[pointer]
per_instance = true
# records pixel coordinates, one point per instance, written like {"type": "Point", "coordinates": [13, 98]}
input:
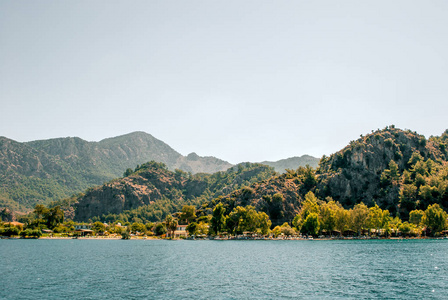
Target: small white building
{"type": "Point", "coordinates": [181, 230]}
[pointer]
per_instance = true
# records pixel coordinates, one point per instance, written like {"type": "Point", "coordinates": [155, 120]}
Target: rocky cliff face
{"type": "Point", "coordinates": [353, 174]}
{"type": "Point", "coordinates": [127, 193]}
{"type": "Point", "coordinates": [376, 168]}
{"type": "Point", "coordinates": [153, 184]}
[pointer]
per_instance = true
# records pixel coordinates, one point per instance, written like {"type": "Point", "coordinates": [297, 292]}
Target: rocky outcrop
{"type": "Point", "coordinates": [153, 183]}
{"type": "Point", "coordinates": [353, 174]}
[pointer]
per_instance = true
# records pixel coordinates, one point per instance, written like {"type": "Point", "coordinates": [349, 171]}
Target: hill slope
{"type": "Point", "coordinates": [377, 167]}
{"type": "Point", "coordinates": [47, 170]}
{"type": "Point", "coordinates": [396, 169]}
{"type": "Point", "coordinates": [152, 191]}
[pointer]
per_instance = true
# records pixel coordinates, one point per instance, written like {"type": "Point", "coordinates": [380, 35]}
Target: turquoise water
{"type": "Point", "coordinates": [158, 269]}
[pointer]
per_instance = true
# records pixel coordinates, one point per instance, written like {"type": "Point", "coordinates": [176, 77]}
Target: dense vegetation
{"type": "Point", "coordinates": [315, 218]}
{"type": "Point", "coordinates": [42, 171]}
{"type": "Point", "coordinates": [151, 191]}
{"type": "Point", "coordinates": [328, 217]}
{"type": "Point", "coordinates": [391, 175]}
{"type": "Point", "coordinates": [398, 170]}
{"type": "Point", "coordinates": [48, 170]}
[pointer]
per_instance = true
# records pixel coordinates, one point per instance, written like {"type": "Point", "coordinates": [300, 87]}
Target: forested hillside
{"type": "Point", "coordinates": [48, 170]}
{"type": "Point", "coordinates": [151, 191]}
{"type": "Point", "coordinates": [398, 170]}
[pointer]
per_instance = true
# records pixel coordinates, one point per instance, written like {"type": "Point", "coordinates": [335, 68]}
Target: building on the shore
{"type": "Point", "coordinates": [181, 231]}
{"type": "Point", "coordinates": [83, 229]}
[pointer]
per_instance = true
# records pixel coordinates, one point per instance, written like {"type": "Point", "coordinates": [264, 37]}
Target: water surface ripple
{"type": "Point", "coordinates": [159, 269]}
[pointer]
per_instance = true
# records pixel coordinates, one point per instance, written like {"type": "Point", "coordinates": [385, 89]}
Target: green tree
{"type": "Point", "coordinates": [137, 227]}
{"type": "Point", "coordinates": [264, 224]}
{"type": "Point", "coordinates": [434, 219]}
{"type": "Point", "coordinates": [99, 227]}
{"type": "Point", "coordinates": [171, 225]}
{"type": "Point", "coordinates": [188, 213]}
{"type": "Point", "coordinates": [391, 175]}
{"type": "Point", "coordinates": [378, 219]}
{"type": "Point", "coordinates": [309, 206]}
{"type": "Point", "coordinates": [415, 216]}
{"type": "Point", "coordinates": [160, 229]}
{"type": "Point", "coordinates": [342, 219]}
{"type": "Point", "coordinates": [125, 234]}
{"type": "Point", "coordinates": [358, 216]}
{"type": "Point", "coordinates": [235, 220]}
{"type": "Point", "coordinates": [40, 211]}
{"type": "Point", "coordinates": [405, 228]}
{"type": "Point", "coordinates": [327, 216]}
{"type": "Point", "coordinates": [128, 172]}
{"type": "Point", "coordinates": [408, 198]}
{"type": "Point", "coordinates": [218, 219]}
{"type": "Point", "coordinates": [311, 224]}
{"type": "Point", "coordinates": [192, 228]}
{"type": "Point", "coordinates": [249, 220]}
{"type": "Point", "coordinates": [9, 231]}
{"type": "Point", "coordinates": [276, 231]}
{"type": "Point", "coordinates": [54, 216]}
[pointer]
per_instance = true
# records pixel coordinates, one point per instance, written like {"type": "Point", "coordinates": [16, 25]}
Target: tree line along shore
{"type": "Point", "coordinates": [316, 218]}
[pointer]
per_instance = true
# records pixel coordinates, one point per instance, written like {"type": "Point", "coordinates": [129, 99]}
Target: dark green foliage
{"type": "Point", "coordinates": [399, 170]}
{"type": "Point", "coordinates": [192, 228]}
{"type": "Point", "coordinates": [435, 219]}
{"type": "Point", "coordinates": [31, 233]}
{"type": "Point", "coordinates": [311, 225]}
{"type": "Point", "coordinates": [50, 170]}
{"type": "Point", "coordinates": [160, 229]}
{"type": "Point", "coordinates": [218, 219]}
{"type": "Point", "coordinates": [175, 190]}
{"type": "Point", "coordinates": [9, 231]}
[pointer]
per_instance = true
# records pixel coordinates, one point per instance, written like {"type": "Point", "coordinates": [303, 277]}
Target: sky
{"type": "Point", "coordinates": [238, 80]}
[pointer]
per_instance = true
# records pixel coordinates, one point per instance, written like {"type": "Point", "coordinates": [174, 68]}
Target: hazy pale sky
{"type": "Point", "coordinates": [239, 80]}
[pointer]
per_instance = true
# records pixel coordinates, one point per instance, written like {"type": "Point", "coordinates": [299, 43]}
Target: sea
{"type": "Point", "coordinates": [231, 269]}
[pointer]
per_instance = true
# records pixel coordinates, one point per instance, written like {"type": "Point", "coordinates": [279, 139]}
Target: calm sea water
{"type": "Point", "coordinates": [158, 269]}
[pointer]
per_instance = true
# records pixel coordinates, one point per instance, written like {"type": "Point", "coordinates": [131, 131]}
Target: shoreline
{"type": "Point", "coordinates": [227, 239]}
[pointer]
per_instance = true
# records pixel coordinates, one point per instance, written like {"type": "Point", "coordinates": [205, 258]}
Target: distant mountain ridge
{"type": "Point", "coordinates": [47, 170]}
{"type": "Point", "coordinates": [113, 155]}
{"type": "Point", "coordinates": [293, 163]}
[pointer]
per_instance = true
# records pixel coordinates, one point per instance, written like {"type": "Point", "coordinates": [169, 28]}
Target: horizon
{"type": "Point", "coordinates": [251, 81]}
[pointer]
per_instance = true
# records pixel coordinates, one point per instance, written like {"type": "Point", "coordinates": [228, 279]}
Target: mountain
{"type": "Point", "coordinates": [110, 157]}
{"type": "Point", "coordinates": [152, 191]}
{"type": "Point", "coordinates": [293, 163]}
{"type": "Point", "coordinates": [27, 175]}
{"type": "Point", "coordinates": [389, 167]}
{"type": "Point", "coordinates": [47, 170]}
{"type": "Point", "coordinates": [398, 170]}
